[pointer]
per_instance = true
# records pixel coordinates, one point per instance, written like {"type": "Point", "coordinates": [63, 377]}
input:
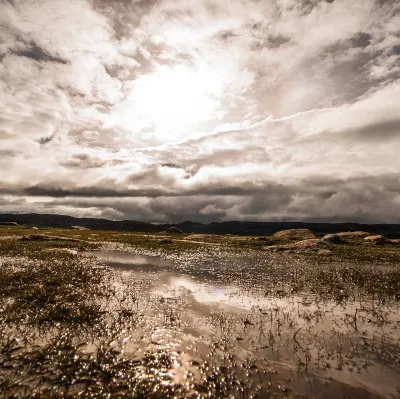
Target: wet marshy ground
{"type": "Point", "coordinates": [219, 315]}
{"type": "Point", "coordinates": [104, 317]}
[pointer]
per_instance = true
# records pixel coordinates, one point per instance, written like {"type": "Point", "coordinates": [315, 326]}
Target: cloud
{"type": "Point", "coordinates": [186, 109]}
{"type": "Point", "coordinates": [38, 54]}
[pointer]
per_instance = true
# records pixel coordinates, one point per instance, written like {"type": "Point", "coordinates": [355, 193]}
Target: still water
{"type": "Point", "coordinates": [234, 330]}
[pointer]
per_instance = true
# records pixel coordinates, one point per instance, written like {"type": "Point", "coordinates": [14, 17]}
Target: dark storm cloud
{"type": "Point", "coordinates": [361, 40]}
{"type": "Point", "coordinates": [36, 53]}
{"type": "Point", "coordinates": [47, 139]}
{"type": "Point", "coordinates": [364, 199]}
{"type": "Point", "coordinates": [91, 191]}
{"type": "Point", "coordinates": [110, 190]}
{"type": "Point", "coordinates": [308, 6]}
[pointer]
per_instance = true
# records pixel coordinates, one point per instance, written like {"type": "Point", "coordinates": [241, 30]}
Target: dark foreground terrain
{"type": "Point", "coordinates": [103, 314]}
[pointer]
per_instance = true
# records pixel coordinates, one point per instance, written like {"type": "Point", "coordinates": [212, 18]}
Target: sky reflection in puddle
{"type": "Point", "coordinates": [339, 343]}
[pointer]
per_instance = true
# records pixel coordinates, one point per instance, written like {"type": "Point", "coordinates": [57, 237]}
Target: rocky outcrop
{"type": "Point", "coordinates": [353, 234]}
{"type": "Point", "coordinates": [377, 240]}
{"type": "Point", "coordinates": [295, 234]}
{"type": "Point", "coordinates": [79, 228]}
{"type": "Point", "coordinates": [314, 244]}
{"type": "Point", "coordinates": [332, 239]}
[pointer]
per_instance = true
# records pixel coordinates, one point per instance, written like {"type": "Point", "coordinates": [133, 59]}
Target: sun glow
{"type": "Point", "coordinates": [169, 103]}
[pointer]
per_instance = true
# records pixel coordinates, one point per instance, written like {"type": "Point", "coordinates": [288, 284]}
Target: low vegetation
{"type": "Point", "coordinates": [71, 326]}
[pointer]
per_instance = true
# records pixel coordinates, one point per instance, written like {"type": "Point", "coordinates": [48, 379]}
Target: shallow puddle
{"type": "Point", "coordinates": [232, 331]}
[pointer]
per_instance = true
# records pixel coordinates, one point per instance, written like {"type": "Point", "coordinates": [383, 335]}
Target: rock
{"type": "Point", "coordinates": [353, 234]}
{"type": "Point", "coordinates": [62, 250]}
{"type": "Point", "coordinates": [279, 248]}
{"type": "Point", "coordinates": [332, 239]}
{"type": "Point", "coordinates": [378, 240]}
{"type": "Point", "coordinates": [295, 234]}
{"type": "Point", "coordinates": [165, 241]}
{"type": "Point", "coordinates": [79, 228]}
{"type": "Point", "coordinates": [9, 224]}
{"type": "Point", "coordinates": [195, 237]}
{"type": "Point", "coordinates": [174, 230]}
{"type": "Point", "coordinates": [314, 244]}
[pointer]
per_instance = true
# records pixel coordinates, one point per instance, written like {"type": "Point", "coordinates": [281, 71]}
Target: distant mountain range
{"type": "Point", "coordinates": [62, 221]}
{"type": "Point", "coordinates": [238, 228]}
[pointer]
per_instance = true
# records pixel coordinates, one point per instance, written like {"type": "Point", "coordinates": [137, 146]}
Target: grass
{"type": "Point", "coordinates": [66, 324]}
{"type": "Point", "coordinates": [57, 290]}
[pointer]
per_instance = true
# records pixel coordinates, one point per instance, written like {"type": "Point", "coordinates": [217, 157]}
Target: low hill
{"type": "Point", "coordinates": [237, 228]}
{"type": "Point", "coordinates": [269, 228]}
{"type": "Point", "coordinates": [63, 221]}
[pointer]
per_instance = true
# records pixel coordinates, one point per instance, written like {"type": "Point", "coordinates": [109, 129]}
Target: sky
{"type": "Point", "coordinates": [202, 110]}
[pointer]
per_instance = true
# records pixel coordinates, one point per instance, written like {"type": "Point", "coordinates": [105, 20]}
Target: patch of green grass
{"type": "Point", "coordinates": [37, 249]}
{"type": "Point", "coordinates": [341, 282]}
{"type": "Point", "coordinates": [368, 253]}
{"type": "Point", "coordinates": [41, 284]}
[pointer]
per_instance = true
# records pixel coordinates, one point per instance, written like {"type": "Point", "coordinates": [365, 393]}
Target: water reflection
{"type": "Point", "coordinates": [296, 343]}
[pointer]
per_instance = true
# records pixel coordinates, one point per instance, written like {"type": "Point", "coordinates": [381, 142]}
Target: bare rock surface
{"type": "Point", "coordinates": [332, 239]}
{"type": "Point", "coordinates": [313, 244]}
{"type": "Point", "coordinates": [79, 228]}
{"type": "Point", "coordinates": [62, 250]}
{"type": "Point", "coordinates": [295, 234]}
{"type": "Point", "coordinates": [353, 234]}
{"type": "Point", "coordinates": [378, 240]}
